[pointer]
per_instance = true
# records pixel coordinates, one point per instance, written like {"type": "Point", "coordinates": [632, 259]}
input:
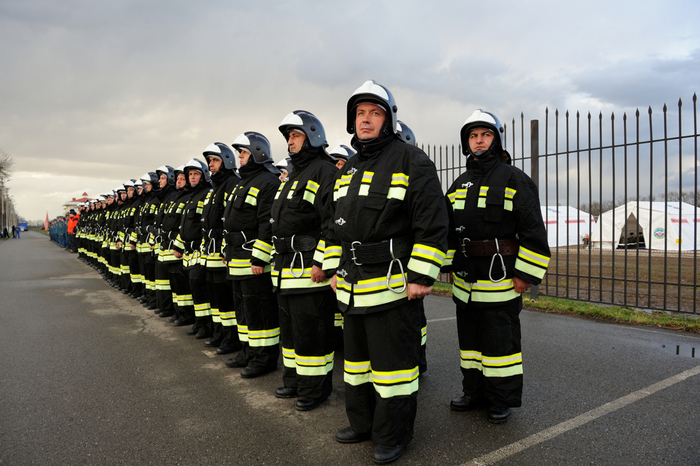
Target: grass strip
{"type": "Point", "coordinates": [617, 314]}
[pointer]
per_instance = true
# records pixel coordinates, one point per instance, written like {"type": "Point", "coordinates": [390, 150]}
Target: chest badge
{"type": "Point", "coordinates": [341, 221]}
{"type": "Point", "coordinates": [460, 229]}
{"type": "Point", "coordinates": [352, 171]}
{"type": "Point", "coordinates": [467, 185]}
{"type": "Point", "coordinates": [342, 273]}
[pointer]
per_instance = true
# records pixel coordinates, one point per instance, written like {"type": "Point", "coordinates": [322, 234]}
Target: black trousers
{"type": "Point", "coordinates": [258, 320]}
{"type": "Point", "coordinates": [220, 298]}
{"type": "Point", "coordinates": [382, 353]}
{"type": "Point", "coordinates": [197, 276]}
{"type": "Point", "coordinates": [164, 294]}
{"type": "Point", "coordinates": [490, 352]}
{"type": "Point", "coordinates": [306, 325]}
{"type": "Point", "coordinates": [184, 306]}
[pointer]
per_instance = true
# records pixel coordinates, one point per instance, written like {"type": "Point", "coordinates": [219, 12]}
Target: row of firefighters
{"type": "Point", "coordinates": [260, 259]}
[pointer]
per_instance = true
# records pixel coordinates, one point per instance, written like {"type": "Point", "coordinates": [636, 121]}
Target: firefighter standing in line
{"type": "Point", "coordinates": [182, 295]}
{"type": "Point", "coordinates": [306, 300]}
{"type": "Point", "coordinates": [188, 243]}
{"type": "Point", "coordinates": [390, 222]}
{"type": "Point", "coordinates": [165, 198]}
{"type": "Point", "coordinates": [248, 247]}
{"type": "Point", "coordinates": [498, 248]}
{"type": "Point", "coordinates": [222, 166]}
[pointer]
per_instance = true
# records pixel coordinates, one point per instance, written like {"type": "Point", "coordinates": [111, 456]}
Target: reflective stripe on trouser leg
{"type": "Point", "coordinates": [311, 321]}
{"type": "Point", "coordinates": [164, 296]}
{"type": "Point", "coordinates": [257, 307]}
{"type": "Point", "coordinates": [289, 372]}
{"type": "Point", "coordinates": [490, 352]}
{"type": "Point", "coordinates": [390, 341]}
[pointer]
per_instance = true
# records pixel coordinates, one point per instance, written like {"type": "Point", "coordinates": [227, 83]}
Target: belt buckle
{"type": "Point", "coordinates": [354, 255]}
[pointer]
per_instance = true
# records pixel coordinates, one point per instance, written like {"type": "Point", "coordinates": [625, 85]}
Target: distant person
{"type": "Point", "coordinates": [4, 232]}
{"type": "Point", "coordinates": [14, 231]}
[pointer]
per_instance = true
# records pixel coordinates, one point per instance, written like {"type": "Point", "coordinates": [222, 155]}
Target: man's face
{"type": "Point", "coordinates": [480, 139]}
{"type": "Point", "coordinates": [130, 192]}
{"type": "Point", "coordinates": [340, 163]}
{"type": "Point", "coordinates": [140, 190]}
{"type": "Point", "coordinates": [295, 141]}
{"type": "Point", "coordinates": [181, 181]}
{"type": "Point", "coordinates": [214, 164]}
{"type": "Point", "coordinates": [162, 180]}
{"type": "Point", "coordinates": [194, 177]}
{"type": "Point", "coordinates": [147, 187]}
{"type": "Point", "coordinates": [369, 119]}
{"type": "Point", "coordinates": [243, 157]}
{"type": "Point", "coordinates": [122, 196]}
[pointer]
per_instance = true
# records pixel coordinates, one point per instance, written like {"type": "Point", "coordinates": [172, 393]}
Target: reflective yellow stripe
{"type": "Point", "coordinates": [289, 281]}
{"type": "Point", "coordinates": [320, 251]}
{"type": "Point", "coordinates": [503, 366]}
{"type": "Point", "coordinates": [261, 338]}
{"type": "Point", "coordinates": [331, 258]}
{"type": "Point", "coordinates": [341, 187]}
{"type": "Point", "coordinates": [399, 184]}
{"type": "Point", "coordinates": [201, 310]}
{"type": "Point", "coordinates": [314, 365]}
{"type": "Point", "coordinates": [470, 359]}
{"type": "Point", "coordinates": [289, 357]}
{"type": "Point", "coordinates": [357, 373]}
{"type": "Point", "coordinates": [485, 291]}
{"type": "Point", "coordinates": [395, 383]}
{"type": "Point", "coordinates": [292, 189]}
{"type": "Point", "coordinates": [243, 333]}
{"type": "Point", "coordinates": [423, 335]}
{"type": "Point", "coordinates": [426, 260]}
{"type": "Point", "coordinates": [262, 250]}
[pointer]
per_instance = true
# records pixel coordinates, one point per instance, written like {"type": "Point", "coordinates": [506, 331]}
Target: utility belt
{"type": "Point", "coordinates": [493, 248]}
{"type": "Point", "coordinates": [297, 244]}
{"type": "Point", "coordinates": [487, 247]}
{"type": "Point", "coordinates": [294, 244]}
{"type": "Point", "coordinates": [239, 240]}
{"type": "Point", "coordinates": [382, 251]}
{"type": "Point", "coordinates": [390, 250]}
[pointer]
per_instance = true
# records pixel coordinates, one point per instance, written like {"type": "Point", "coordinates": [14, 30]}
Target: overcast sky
{"type": "Point", "coordinates": [93, 93]}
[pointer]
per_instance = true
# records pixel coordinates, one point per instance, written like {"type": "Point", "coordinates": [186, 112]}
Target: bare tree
{"type": "Point", "coordinates": [6, 162]}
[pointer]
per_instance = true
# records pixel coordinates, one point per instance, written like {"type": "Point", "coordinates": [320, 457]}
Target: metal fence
{"type": "Point", "coordinates": [637, 179]}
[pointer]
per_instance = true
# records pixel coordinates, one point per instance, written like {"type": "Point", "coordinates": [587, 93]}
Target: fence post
{"type": "Point", "coordinates": [535, 174]}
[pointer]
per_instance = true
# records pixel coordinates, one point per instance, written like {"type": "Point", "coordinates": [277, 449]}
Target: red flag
{"type": "Point", "coordinates": [46, 221]}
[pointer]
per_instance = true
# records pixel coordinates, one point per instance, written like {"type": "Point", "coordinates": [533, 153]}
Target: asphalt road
{"type": "Point", "coordinates": [88, 376]}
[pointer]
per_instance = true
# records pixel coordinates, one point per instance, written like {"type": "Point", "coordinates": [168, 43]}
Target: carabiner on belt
{"type": "Point", "coordinates": [503, 264]}
{"type": "Point", "coordinates": [296, 253]}
{"type": "Point", "coordinates": [391, 267]}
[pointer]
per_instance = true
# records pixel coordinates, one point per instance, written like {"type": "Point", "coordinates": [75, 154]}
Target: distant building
{"type": "Point", "coordinates": [73, 204]}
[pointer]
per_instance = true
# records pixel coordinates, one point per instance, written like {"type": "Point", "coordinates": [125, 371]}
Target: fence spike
{"type": "Point", "coordinates": [695, 97]}
{"type": "Point", "coordinates": [680, 103]}
{"type": "Point", "coordinates": [637, 113]}
{"type": "Point", "coordinates": [649, 109]}
{"type": "Point", "coordinates": [665, 108]}
{"type": "Point", "coordinates": [577, 115]}
{"type": "Point", "coordinates": [546, 110]}
{"type": "Point", "coordinates": [589, 115]}
{"type": "Point", "coordinates": [556, 112]}
{"type": "Point", "coordinates": [612, 116]}
{"type": "Point", "coordinates": [624, 116]}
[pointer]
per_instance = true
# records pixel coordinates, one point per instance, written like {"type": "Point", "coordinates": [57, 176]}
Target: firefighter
{"type": "Point", "coordinates": [162, 254]}
{"type": "Point", "coordinates": [497, 249]}
{"type": "Point", "coordinates": [172, 219]}
{"type": "Point", "coordinates": [187, 245]}
{"type": "Point", "coordinates": [306, 301]}
{"type": "Point", "coordinates": [341, 154]}
{"type": "Point", "coordinates": [248, 247]}
{"type": "Point", "coordinates": [388, 232]}
{"type": "Point", "coordinates": [222, 166]}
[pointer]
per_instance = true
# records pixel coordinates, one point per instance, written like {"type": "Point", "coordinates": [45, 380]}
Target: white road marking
{"type": "Point", "coordinates": [555, 431]}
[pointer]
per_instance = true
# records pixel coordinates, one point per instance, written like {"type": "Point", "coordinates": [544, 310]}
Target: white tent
{"type": "Point", "coordinates": [662, 225]}
{"type": "Point", "coordinates": [566, 225]}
